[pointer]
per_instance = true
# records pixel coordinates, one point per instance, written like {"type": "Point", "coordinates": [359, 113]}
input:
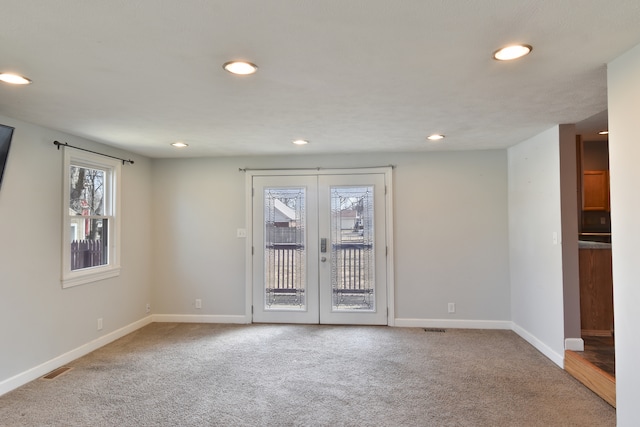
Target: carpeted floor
{"type": "Point", "coordinates": [284, 375]}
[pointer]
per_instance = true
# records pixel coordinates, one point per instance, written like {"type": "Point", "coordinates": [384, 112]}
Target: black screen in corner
{"type": "Point", "coordinates": [6, 133]}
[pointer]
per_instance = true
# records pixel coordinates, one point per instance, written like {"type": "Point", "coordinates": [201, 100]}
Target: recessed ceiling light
{"type": "Point", "coordinates": [435, 137]}
{"type": "Point", "coordinates": [301, 142]}
{"type": "Point", "coordinates": [240, 67]}
{"type": "Point", "coordinates": [14, 79]}
{"type": "Point", "coordinates": [512, 52]}
{"type": "Point", "coordinates": [180, 144]}
{"type": "Point", "coordinates": [604, 132]}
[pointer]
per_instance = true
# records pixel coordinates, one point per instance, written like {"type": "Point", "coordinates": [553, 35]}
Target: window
{"type": "Point", "coordinates": [91, 229]}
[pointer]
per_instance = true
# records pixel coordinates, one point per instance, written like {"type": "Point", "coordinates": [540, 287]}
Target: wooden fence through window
{"type": "Point", "coordinates": [86, 253]}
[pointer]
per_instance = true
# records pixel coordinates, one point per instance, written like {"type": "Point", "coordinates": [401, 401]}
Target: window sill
{"type": "Point", "coordinates": [84, 277]}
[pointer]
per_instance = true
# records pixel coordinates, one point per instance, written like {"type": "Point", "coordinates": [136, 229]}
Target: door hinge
{"type": "Point", "coordinates": [385, 190]}
{"type": "Point", "coordinates": [251, 250]}
{"type": "Point", "coordinates": [253, 191]}
{"type": "Point", "coordinates": [386, 251]}
{"type": "Point", "coordinates": [252, 309]}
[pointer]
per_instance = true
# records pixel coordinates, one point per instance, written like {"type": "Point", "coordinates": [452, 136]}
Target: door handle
{"type": "Point", "coordinates": [323, 259]}
{"type": "Point", "coordinates": [323, 245]}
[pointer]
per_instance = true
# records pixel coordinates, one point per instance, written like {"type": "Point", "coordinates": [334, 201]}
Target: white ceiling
{"type": "Point", "coordinates": [348, 75]}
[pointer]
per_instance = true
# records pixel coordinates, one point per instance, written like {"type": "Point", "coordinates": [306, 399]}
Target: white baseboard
{"type": "Point", "coordinates": [199, 318]}
{"type": "Point", "coordinates": [453, 323]}
{"type": "Point", "coordinates": [556, 358]}
{"type": "Point", "coordinates": [48, 366]}
{"type": "Point", "coordinates": [574, 344]}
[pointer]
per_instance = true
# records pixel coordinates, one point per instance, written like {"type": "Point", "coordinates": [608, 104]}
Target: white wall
{"type": "Point", "coordinates": [451, 241]}
{"type": "Point", "coordinates": [570, 252]}
{"type": "Point", "coordinates": [39, 321]}
{"type": "Point", "coordinates": [624, 152]}
{"type": "Point", "coordinates": [198, 205]}
{"type": "Point", "coordinates": [535, 261]}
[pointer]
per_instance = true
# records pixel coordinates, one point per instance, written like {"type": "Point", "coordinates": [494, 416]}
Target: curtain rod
{"type": "Point", "coordinates": [313, 169]}
{"type": "Point", "coordinates": [64, 144]}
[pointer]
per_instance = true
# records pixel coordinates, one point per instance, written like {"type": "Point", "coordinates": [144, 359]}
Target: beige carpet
{"type": "Point", "coordinates": [283, 375]}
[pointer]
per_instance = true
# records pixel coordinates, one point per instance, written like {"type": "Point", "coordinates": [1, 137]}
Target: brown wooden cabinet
{"type": "Point", "coordinates": [595, 190]}
{"type": "Point", "coordinates": [596, 292]}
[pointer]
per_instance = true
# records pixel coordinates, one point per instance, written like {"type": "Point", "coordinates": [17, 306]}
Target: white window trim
{"type": "Point", "coordinates": [87, 275]}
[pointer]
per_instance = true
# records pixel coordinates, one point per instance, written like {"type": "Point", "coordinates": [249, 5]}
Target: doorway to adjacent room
{"type": "Point", "coordinates": [320, 247]}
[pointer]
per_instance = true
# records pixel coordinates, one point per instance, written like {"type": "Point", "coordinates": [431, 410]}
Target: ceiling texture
{"type": "Point", "coordinates": [350, 76]}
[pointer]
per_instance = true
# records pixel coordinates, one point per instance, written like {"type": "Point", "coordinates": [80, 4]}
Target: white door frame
{"type": "Point", "coordinates": [388, 176]}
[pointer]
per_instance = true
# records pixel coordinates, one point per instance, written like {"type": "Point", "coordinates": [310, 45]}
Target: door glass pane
{"type": "Point", "coordinates": [352, 251]}
{"type": "Point", "coordinates": [284, 255]}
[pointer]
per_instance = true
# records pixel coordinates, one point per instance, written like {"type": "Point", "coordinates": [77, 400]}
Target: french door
{"type": "Point", "coordinates": [319, 249]}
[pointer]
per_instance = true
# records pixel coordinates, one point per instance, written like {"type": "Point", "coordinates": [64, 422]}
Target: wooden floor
{"type": "Point", "coordinates": [601, 352]}
{"type": "Point", "coordinates": [595, 366]}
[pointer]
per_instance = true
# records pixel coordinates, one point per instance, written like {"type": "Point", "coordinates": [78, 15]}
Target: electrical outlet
{"type": "Point", "coordinates": [241, 233]}
{"type": "Point", "coordinates": [452, 307]}
{"type": "Point", "coordinates": [148, 307]}
{"type": "Point", "coordinates": [99, 323]}
{"type": "Point", "coordinates": [198, 303]}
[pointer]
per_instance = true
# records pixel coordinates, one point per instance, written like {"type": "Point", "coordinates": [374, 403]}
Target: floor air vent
{"type": "Point", "coordinates": [434, 330]}
{"type": "Point", "coordinates": [56, 373]}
